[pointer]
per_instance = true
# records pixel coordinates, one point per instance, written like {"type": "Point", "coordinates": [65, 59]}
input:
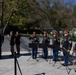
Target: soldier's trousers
{"type": "Point", "coordinates": [34, 53]}
{"type": "Point", "coordinates": [45, 53]}
{"type": "Point", "coordinates": [66, 55]}
{"type": "Point", "coordinates": [55, 54]}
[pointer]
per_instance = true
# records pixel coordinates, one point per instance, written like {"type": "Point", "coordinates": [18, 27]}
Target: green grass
{"type": "Point", "coordinates": [40, 36]}
{"type": "Point", "coordinates": [25, 35]}
{"type": "Point", "coordinates": [28, 35]}
{"type": "Point", "coordinates": [74, 38]}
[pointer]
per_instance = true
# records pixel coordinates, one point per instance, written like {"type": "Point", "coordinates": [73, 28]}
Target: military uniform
{"type": "Point", "coordinates": [66, 45]}
{"type": "Point", "coordinates": [1, 42]}
{"type": "Point", "coordinates": [56, 45]}
{"type": "Point", "coordinates": [35, 40]}
{"type": "Point", "coordinates": [45, 41]}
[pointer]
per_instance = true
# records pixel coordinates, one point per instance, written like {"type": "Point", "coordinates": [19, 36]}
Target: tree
{"type": "Point", "coordinates": [55, 14]}
{"type": "Point", "coordinates": [40, 14]}
{"type": "Point", "coordinates": [18, 17]}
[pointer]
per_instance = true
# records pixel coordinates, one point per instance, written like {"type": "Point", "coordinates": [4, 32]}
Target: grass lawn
{"type": "Point", "coordinates": [40, 36]}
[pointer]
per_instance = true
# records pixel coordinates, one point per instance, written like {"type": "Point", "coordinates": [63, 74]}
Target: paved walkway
{"type": "Point", "coordinates": [30, 66]}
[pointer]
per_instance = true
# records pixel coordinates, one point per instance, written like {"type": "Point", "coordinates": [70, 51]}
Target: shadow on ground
{"type": "Point", "coordinates": [11, 57]}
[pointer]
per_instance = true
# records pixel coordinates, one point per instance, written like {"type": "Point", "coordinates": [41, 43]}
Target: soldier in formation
{"type": "Point", "coordinates": [35, 40]}
{"type": "Point", "coordinates": [56, 45]}
{"type": "Point", "coordinates": [66, 46]}
{"type": "Point", "coordinates": [45, 41]}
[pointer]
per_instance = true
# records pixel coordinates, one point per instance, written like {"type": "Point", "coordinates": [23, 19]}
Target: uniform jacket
{"type": "Point", "coordinates": [46, 39]}
{"type": "Point", "coordinates": [66, 45]}
{"type": "Point", "coordinates": [34, 39]}
{"type": "Point", "coordinates": [56, 42]}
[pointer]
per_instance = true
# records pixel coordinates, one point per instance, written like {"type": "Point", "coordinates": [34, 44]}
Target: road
{"type": "Point", "coordinates": [23, 46]}
{"type": "Point", "coordinates": [31, 66]}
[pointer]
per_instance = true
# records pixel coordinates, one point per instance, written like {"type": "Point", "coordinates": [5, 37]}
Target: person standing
{"type": "Point", "coordinates": [12, 42]}
{"type": "Point", "coordinates": [56, 45]}
{"type": "Point", "coordinates": [45, 41]}
{"type": "Point", "coordinates": [35, 40]}
{"type": "Point", "coordinates": [66, 46]}
{"type": "Point", "coordinates": [17, 42]}
{"type": "Point", "coordinates": [1, 42]}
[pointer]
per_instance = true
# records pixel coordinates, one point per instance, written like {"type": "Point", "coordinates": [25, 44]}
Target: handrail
{"type": "Point", "coordinates": [16, 64]}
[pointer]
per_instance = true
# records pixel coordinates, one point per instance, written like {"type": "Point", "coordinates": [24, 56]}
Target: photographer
{"type": "Point", "coordinates": [12, 42]}
{"type": "Point", "coordinates": [17, 41]}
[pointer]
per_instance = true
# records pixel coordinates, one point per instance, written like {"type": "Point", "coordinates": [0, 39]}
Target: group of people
{"type": "Point", "coordinates": [14, 40]}
{"type": "Point", "coordinates": [35, 40]}
{"type": "Point", "coordinates": [65, 45]}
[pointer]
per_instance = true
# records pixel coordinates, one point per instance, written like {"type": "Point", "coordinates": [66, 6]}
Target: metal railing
{"type": "Point", "coordinates": [16, 64]}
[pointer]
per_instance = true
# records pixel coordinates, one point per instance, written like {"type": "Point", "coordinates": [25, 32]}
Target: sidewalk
{"type": "Point", "coordinates": [31, 67]}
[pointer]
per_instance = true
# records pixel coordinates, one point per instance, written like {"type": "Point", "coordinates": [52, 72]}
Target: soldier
{"type": "Point", "coordinates": [66, 46]}
{"type": "Point", "coordinates": [12, 42]}
{"type": "Point", "coordinates": [17, 41]}
{"type": "Point", "coordinates": [56, 45]}
{"type": "Point", "coordinates": [45, 41]}
{"type": "Point", "coordinates": [1, 42]}
{"type": "Point", "coordinates": [35, 40]}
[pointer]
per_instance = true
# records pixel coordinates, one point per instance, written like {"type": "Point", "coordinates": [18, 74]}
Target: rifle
{"type": "Point", "coordinates": [64, 50]}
